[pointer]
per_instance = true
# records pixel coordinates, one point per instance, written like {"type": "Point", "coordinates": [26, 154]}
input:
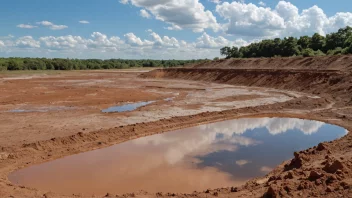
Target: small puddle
{"type": "Point", "coordinates": [126, 107]}
{"type": "Point", "coordinates": [214, 155]}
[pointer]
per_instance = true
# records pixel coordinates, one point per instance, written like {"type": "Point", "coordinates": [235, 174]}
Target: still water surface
{"type": "Point", "coordinates": [209, 156]}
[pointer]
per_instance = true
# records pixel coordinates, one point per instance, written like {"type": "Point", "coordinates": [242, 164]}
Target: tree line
{"type": "Point", "coordinates": [16, 63]}
{"type": "Point", "coordinates": [335, 43]}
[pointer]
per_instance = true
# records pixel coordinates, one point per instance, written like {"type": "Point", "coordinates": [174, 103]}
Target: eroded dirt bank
{"type": "Point", "coordinates": [323, 171]}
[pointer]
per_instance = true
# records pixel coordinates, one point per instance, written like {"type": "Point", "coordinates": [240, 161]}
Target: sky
{"type": "Point", "coordinates": [157, 29]}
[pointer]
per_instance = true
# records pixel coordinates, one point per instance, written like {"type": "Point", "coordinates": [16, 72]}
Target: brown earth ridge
{"type": "Point", "coordinates": [322, 171]}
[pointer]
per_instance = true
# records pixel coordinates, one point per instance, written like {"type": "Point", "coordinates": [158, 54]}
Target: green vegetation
{"type": "Point", "coordinates": [78, 64]}
{"type": "Point", "coordinates": [339, 42]}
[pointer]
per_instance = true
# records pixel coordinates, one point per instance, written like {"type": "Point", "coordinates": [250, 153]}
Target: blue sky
{"type": "Point", "coordinates": [167, 29]}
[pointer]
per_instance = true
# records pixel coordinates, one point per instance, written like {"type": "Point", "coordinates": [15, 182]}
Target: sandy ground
{"type": "Point", "coordinates": [39, 107]}
{"type": "Point", "coordinates": [63, 117]}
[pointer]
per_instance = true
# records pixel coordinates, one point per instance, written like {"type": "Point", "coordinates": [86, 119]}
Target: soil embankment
{"type": "Point", "coordinates": [339, 63]}
{"type": "Point", "coordinates": [322, 171]}
{"type": "Point", "coordinates": [335, 84]}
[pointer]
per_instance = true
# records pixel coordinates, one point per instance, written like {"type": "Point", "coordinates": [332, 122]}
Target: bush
{"type": "Point", "coordinates": [319, 53]}
{"type": "Point", "coordinates": [307, 52]}
{"type": "Point", "coordinates": [336, 51]}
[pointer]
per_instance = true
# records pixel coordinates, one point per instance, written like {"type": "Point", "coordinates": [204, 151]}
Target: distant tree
{"type": "Point", "coordinates": [290, 47]}
{"type": "Point", "coordinates": [226, 51]}
{"type": "Point", "coordinates": [317, 42]}
{"type": "Point", "coordinates": [304, 42]}
{"type": "Point", "coordinates": [338, 39]}
{"type": "Point", "coordinates": [229, 52]}
{"type": "Point", "coordinates": [13, 65]}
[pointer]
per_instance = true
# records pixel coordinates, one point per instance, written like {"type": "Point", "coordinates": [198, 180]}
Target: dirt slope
{"type": "Point", "coordinates": [322, 171]}
{"type": "Point", "coordinates": [336, 85]}
{"type": "Point", "coordinates": [340, 62]}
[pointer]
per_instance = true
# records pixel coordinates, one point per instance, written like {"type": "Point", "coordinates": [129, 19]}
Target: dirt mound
{"type": "Point", "coordinates": [340, 62]}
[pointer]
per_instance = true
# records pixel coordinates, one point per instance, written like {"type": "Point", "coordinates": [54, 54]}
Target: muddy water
{"type": "Point", "coordinates": [209, 156]}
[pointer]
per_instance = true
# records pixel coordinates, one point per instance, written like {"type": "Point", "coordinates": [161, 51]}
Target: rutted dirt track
{"type": "Point", "coordinates": [323, 171]}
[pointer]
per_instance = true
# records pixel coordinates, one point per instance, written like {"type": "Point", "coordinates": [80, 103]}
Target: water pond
{"type": "Point", "coordinates": [214, 155]}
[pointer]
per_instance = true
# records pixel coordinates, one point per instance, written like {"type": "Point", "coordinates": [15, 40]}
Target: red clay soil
{"type": "Point", "coordinates": [339, 62]}
{"type": "Point", "coordinates": [322, 171]}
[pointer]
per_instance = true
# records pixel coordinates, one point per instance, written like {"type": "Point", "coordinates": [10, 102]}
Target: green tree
{"type": "Point", "coordinates": [290, 47]}
{"type": "Point", "coordinates": [304, 42]}
{"type": "Point", "coordinates": [317, 42]}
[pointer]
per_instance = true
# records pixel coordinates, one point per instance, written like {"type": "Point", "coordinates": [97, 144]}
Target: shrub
{"type": "Point", "coordinates": [307, 52]}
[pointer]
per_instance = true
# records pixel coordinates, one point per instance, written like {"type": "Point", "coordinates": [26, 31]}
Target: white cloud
{"type": "Point", "coordinates": [215, 1]}
{"type": "Point", "coordinates": [84, 22]}
{"type": "Point", "coordinates": [144, 13]}
{"type": "Point", "coordinates": [51, 25]}
{"type": "Point", "coordinates": [10, 36]}
{"type": "Point", "coordinates": [133, 40]}
{"type": "Point", "coordinates": [2, 44]}
{"type": "Point", "coordinates": [27, 42]}
{"type": "Point", "coordinates": [62, 42]}
{"type": "Point", "coordinates": [98, 41]}
{"type": "Point", "coordinates": [26, 26]}
{"type": "Point", "coordinates": [249, 20]}
{"type": "Point", "coordinates": [154, 46]}
{"type": "Point", "coordinates": [124, 1]}
{"type": "Point", "coordinates": [206, 41]}
{"type": "Point", "coordinates": [261, 3]}
{"type": "Point", "coordinates": [164, 41]}
{"type": "Point", "coordinates": [180, 14]}
{"type": "Point", "coordinates": [242, 162]}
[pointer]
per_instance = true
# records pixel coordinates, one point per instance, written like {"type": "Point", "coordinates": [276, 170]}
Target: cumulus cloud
{"type": "Point", "coordinates": [69, 42]}
{"type": "Point", "coordinates": [180, 14]}
{"type": "Point", "coordinates": [84, 22]}
{"type": "Point", "coordinates": [249, 19]}
{"type": "Point", "coordinates": [51, 25]}
{"type": "Point", "coordinates": [133, 40]}
{"type": "Point", "coordinates": [2, 44]}
{"type": "Point", "coordinates": [144, 13]}
{"type": "Point", "coordinates": [261, 3]}
{"type": "Point", "coordinates": [27, 42]}
{"type": "Point", "coordinates": [154, 46]}
{"type": "Point", "coordinates": [206, 41]}
{"type": "Point", "coordinates": [62, 42]}
{"type": "Point", "coordinates": [26, 26]}
{"type": "Point", "coordinates": [164, 41]}
{"type": "Point", "coordinates": [284, 20]}
{"type": "Point", "coordinates": [215, 1]}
